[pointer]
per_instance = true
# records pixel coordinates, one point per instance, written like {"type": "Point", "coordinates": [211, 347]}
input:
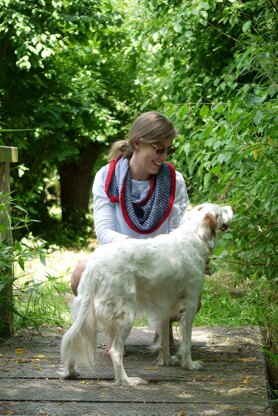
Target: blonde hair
{"type": "Point", "coordinates": [150, 127]}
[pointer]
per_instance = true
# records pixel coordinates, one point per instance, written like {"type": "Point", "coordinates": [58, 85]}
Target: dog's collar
{"type": "Point", "coordinates": [145, 216]}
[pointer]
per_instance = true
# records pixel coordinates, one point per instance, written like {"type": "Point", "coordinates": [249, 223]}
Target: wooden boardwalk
{"type": "Point", "coordinates": [232, 381]}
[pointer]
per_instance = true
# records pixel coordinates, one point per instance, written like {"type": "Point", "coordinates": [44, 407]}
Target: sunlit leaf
{"type": "Point", "coordinates": [20, 351]}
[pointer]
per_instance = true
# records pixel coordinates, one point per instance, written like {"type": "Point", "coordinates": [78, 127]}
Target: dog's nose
{"type": "Point", "coordinates": [224, 227]}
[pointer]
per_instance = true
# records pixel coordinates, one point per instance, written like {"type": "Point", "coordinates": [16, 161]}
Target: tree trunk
{"type": "Point", "coordinates": [76, 181]}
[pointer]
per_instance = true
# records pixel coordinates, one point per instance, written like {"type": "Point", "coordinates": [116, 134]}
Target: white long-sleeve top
{"type": "Point", "coordinates": [110, 225]}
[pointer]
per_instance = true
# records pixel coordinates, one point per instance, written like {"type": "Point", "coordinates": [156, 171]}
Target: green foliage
{"type": "Point", "coordinates": [67, 72]}
{"type": "Point", "coordinates": [228, 300]}
{"type": "Point", "coordinates": [13, 218]}
{"type": "Point", "coordinates": [36, 301]}
{"type": "Point", "coordinates": [41, 303]}
{"type": "Point", "coordinates": [213, 67]}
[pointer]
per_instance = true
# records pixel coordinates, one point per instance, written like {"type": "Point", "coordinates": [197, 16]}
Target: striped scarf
{"type": "Point", "coordinates": [146, 215]}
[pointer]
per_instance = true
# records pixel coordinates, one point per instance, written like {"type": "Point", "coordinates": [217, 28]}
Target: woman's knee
{"type": "Point", "coordinates": [76, 275]}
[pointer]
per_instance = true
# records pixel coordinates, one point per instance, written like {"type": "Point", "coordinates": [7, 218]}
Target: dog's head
{"type": "Point", "coordinates": [210, 218]}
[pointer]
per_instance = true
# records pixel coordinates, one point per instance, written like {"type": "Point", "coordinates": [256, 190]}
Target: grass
{"type": "Point", "coordinates": [42, 293]}
{"type": "Point", "coordinates": [227, 300]}
{"type": "Point", "coordinates": [39, 304]}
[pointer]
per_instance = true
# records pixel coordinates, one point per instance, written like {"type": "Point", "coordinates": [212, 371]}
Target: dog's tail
{"type": "Point", "coordinates": [80, 341]}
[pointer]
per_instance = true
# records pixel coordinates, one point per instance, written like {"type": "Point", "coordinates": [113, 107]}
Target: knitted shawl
{"type": "Point", "coordinates": [146, 215]}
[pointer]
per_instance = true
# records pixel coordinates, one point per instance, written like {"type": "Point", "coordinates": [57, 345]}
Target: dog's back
{"type": "Point", "coordinates": [158, 273]}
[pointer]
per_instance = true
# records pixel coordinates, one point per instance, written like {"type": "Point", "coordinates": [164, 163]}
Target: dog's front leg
{"type": "Point", "coordinates": [164, 358]}
{"type": "Point", "coordinates": [186, 323]}
{"type": "Point", "coordinates": [116, 354]}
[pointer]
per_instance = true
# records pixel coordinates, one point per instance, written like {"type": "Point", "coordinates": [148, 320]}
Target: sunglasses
{"type": "Point", "coordinates": [161, 150]}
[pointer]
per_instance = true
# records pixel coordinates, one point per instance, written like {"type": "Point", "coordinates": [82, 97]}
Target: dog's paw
{"type": "Point", "coordinates": [169, 361]}
{"type": "Point", "coordinates": [130, 382]}
{"type": "Point", "coordinates": [68, 375]}
{"type": "Point", "coordinates": [192, 365]}
{"type": "Point", "coordinates": [164, 361]}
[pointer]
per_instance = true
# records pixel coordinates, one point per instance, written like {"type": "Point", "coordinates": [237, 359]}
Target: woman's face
{"type": "Point", "coordinates": [145, 161]}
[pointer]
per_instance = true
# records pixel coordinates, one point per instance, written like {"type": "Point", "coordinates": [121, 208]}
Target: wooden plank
{"type": "Point", "coordinates": [153, 392]}
{"type": "Point", "coordinates": [231, 382]}
{"type": "Point", "coordinates": [132, 409]}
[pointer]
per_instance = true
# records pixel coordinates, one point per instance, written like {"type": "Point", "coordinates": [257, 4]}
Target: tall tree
{"type": "Point", "coordinates": [67, 71]}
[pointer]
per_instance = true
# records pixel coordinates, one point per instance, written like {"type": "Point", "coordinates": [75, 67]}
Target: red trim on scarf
{"type": "Point", "coordinates": [171, 202]}
{"type": "Point", "coordinates": [111, 170]}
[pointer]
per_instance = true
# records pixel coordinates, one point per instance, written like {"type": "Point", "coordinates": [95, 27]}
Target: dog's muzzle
{"type": "Point", "coordinates": [224, 227]}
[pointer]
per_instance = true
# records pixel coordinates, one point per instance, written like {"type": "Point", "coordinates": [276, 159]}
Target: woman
{"type": "Point", "coordinates": [138, 194]}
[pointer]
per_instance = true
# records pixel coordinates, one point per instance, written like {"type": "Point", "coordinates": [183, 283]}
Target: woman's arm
{"type": "Point", "coordinates": [104, 212]}
{"type": "Point", "coordinates": [180, 204]}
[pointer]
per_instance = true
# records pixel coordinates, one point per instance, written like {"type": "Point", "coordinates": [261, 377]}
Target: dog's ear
{"type": "Point", "coordinates": [211, 221]}
{"type": "Point", "coordinates": [208, 228]}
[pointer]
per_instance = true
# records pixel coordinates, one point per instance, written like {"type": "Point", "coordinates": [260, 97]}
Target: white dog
{"type": "Point", "coordinates": [162, 276]}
